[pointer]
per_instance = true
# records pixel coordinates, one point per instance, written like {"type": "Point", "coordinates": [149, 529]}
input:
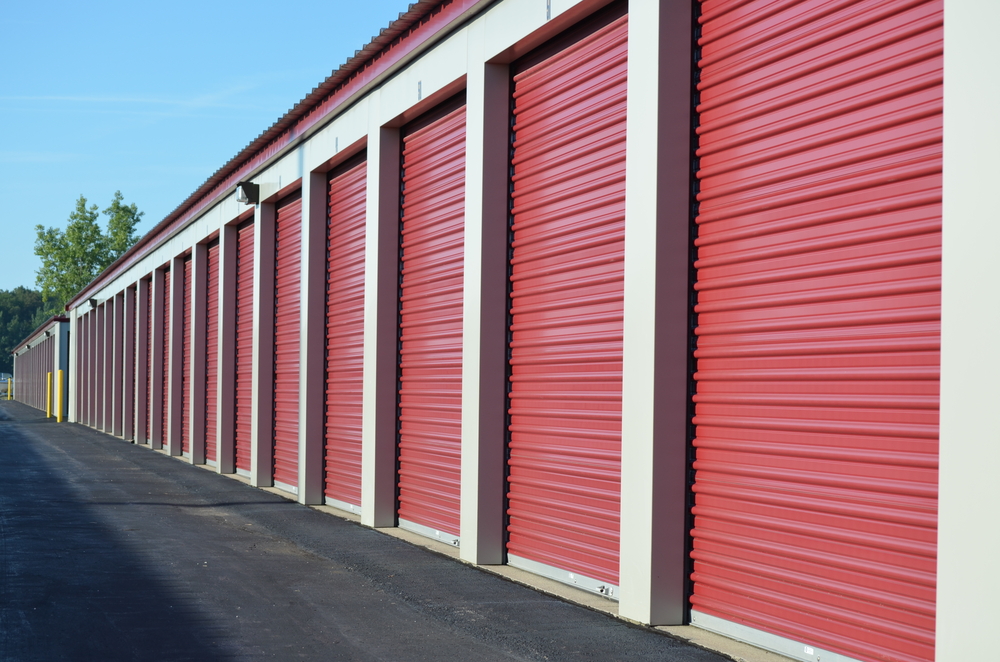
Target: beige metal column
{"type": "Point", "coordinates": [142, 372]}
{"type": "Point", "coordinates": [199, 307]}
{"type": "Point", "coordinates": [73, 366]}
{"type": "Point", "coordinates": [118, 369]}
{"type": "Point", "coordinates": [128, 364]}
{"type": "Point", "coordinates": [484, 333]}
{"type": "Point", "coordinates": [156, 434]}
{"type": "Point", "coordinates": [312, 362]}
{"type": "Point", "coordinates": [657, 263]}
{"type": "Point", "coordinates": [378, 451]}
{"type": "Point", "coordinates": [226, 393]}
{"type": "Point", "coordinates": [969, 507]}
{"type": "Point", "coordinates": [175, 381]}
{"type": "Point", "coordinates": [261, 430]}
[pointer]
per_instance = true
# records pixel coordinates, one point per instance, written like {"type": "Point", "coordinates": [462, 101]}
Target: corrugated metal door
{"type": "Point", "coordinates": [135, 357]}
{"type": "Point", "coordinates": [49, 356]}
{"type": "Point", "coordinates": [566, 307]}
{"type": "Point", "coordinates": [98, 368]}
{"type": "Point", "coordinates": [78, 368]}
{"type": "Point", "coordinates": [287, 326]}
{"type": "Point", "coordinates": [165, 384]}
{"type": "Point", "coordinates": [212, 354]}
{"type": "Point", "coordinates": [345, 325]}
{"type": "Point", "coordinates": [186, 361]}
{"type": "Point", "coordinates": [430, 355]}
{"type": "Point", "coordinates": [244, 342]}
{"type": "Point", "coordinates": [46, 357]}
{"type": "Point", "coordinates": [149, 358]}
{"type": "Point", "coordinates": [819, 323]}
{"type": "Point", "coordinates": [107, 367]}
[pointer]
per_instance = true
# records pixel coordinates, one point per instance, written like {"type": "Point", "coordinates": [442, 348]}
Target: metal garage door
{"type": "Point", "coordinates": [819, 323]}
{"type": "Point", "coordinates": [186, 361]}
{"type": "Point", "coordinates": [287, 331]}
{"type": "Point", "coordinates": [134, 322]}
{"type": "Point", "coordinates": [82, 370]}
{"type": "Point", "coordinates": [566, 309]}
{"type": "Point", "coordinates": [99, 325]}
{"type": "Point", "coordinates": [79, 367]}
{"type": "Point", "coordinates": [212, 354]}
{"type": "Point", "coordinates": [165, 383]}
{"type": "Point", "coordinates": [149, 359]}
{"type": "Point", "coordinates": [107, 368]}
{"type": "Point", "coordinates": [345, 326]}
{"type": "Point", "coordinates": [430, 355]}
{"type": "Point", "coordinates": [244, 343]}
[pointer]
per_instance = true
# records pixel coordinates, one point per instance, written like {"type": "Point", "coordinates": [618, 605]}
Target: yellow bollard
{"type": "Point", "coordinates": [48, 395]}
{"type": "Point", "coordinates": [59, 397]}
{"type": "Point", "coordinates": [10, 389]}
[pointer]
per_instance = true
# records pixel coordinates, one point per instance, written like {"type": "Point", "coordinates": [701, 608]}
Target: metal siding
{"type": "Point", "coordinates": [345, 325]}
{"type": "Point", "coordinates": [165, 390]}
{"type": "Point", "coordinates": [244, 342]}
{"type": "Point", "coordinates": [430, 354]}
{"type": "Point", "coordinates": [186, 361]}
{"type": "Point", "coordinates": [287, 331]}
{"type": "Point", "coordinates": [567, 269]}
{"type": "Point", "coordinates": [212, 354]}
{"type": "Point", "coordinates": [819, 322]}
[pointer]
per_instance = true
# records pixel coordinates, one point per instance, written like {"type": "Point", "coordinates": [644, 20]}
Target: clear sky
{"type": "Point", "coordinates": [148, 98]}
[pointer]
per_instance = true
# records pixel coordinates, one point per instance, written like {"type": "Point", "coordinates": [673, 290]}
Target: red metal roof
{"type": "Point", "coordinates": [34, 334]}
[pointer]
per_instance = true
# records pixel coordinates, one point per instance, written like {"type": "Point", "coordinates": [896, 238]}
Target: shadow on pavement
{"type": "Point", "coordinates": [70, 589]}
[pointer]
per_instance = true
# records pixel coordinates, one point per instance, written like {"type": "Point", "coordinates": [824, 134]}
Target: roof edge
{"type": "Point", "coordinates": [415, 14]}
{"type": "Point", "coordinates": [31, 336]}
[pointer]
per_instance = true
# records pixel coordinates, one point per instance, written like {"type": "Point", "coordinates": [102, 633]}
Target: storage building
{"type": "Point", "coordinates": [643, 297]}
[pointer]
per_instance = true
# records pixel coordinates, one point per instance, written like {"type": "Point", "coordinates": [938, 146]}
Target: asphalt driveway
{"type": "Point", "coordinates": [110, 551]}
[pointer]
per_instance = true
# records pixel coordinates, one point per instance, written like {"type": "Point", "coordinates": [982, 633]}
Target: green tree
{"type": "Point", "coordinates": [18, 310]}
{"type": "Point", "coordinates": [73, 257]}
{"type": "Point", "coordinates": [122, 221]}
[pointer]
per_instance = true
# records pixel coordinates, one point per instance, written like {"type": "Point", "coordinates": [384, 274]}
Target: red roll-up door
{"type": "Point", "coordinates": [212, 354]}
{"type": "Point", "coordinates": [99, 324]}
{"type": "Point", "coordinates": [287, 325]}
{"type": "Point", "coordinates": [186, 361]}
{"type": "Point", "coordinates": [135, 356]}
{"type": "Point", "coordinates": [567, 271]}
{"type": "Point", "coordinates": [345, 325]}
{"type": "Point", "coordinates": [109, 364]}
{"type": "Point", "coordinates": [78, 368]}
{"type": "Point", "coordinates": [149, 358]}
{"type": "Point", "coordinates": [165, 384]}
{"type": "Point", "coordinates": [244, 342]}
{"type": "Point", "coordinates": [819, 323]}
{"type": "Point", "coordinates": [46, 391]}
{"type": "Point", "coordinates": [430, 355]}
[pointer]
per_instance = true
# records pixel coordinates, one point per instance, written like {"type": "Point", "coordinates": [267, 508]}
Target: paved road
{"type": "Point", "coordinates": [110, 551]}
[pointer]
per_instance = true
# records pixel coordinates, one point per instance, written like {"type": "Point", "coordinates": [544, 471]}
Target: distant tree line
{"type": "Point", "coordinates": [19, 309]}
{"type": "Point", "coordinates": [71, 259]}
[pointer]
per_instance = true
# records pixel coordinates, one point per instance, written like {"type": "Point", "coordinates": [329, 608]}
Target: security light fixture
{"type": "Point", "coordinates": [248, 193]}
{"type": "Point", "coordinates": [93, 303]}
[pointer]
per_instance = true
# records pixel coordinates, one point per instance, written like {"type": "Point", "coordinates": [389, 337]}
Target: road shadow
{"type": "Point", "coordinates": [70, 588]}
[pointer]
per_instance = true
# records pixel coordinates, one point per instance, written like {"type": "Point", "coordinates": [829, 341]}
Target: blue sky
{"type": "Point", "coordinates": [148, 98]}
